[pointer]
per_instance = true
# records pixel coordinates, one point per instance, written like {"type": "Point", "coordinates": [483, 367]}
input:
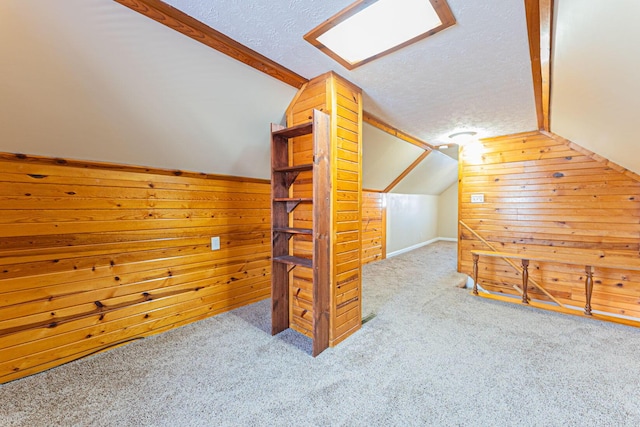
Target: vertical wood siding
{"type": "Point", "coordinates": [542, 196]}
{"type": "Point", "coordinates": [347, 289]}
{"type": "Point", "coordinates": [343, 102]}
{"type": "Point", "coordinates": [92, 256]}
{"type": "Point", "coordinates": [373, 227]}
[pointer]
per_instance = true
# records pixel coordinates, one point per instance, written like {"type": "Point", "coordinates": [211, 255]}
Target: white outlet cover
{"type": "Point", "coordinates": [215, 243]}
{"type": "Point", "coordinates": [477, 198]}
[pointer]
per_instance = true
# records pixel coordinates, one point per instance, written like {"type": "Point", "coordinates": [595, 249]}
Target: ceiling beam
{"type": "Point", "coordinates": [540, 29]}
{"type": "Point", "coordinates": [191, 27]}
{"type": "Point", "coordinates": [406, 172]}
{"type": "Point", "coordinates": [385, 127]}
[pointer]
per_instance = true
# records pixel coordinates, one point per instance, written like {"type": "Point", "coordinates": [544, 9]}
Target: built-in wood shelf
{"type": "Point", "coordinates": [293, 199]}
{"type": "Point", "coordinates": [293, 131]}
{"type": "Point", "coordinates": [294, 260]}
{"type": "Point", "coordinates": [292, 202]}
{"type": "Point", "coordinates": [290, 230]}
{"type": "Point", "coordinates": [297, 168]}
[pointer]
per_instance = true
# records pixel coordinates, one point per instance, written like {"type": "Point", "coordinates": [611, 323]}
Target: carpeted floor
{"type": "Point", "coordinates": [432, 355]}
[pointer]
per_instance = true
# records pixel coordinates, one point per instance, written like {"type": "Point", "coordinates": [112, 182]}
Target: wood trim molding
{"type": "Point", "coordinates": [539, 25]}
{"type": "Point", "coordinates": [43, 160]}
{"type": "Point", "coordinates": [191, 27]}
{"type": "Point", "coordinates": [385, 127]}
{"type": "Point", "coordinates": [593, 156]}
{"type": "Point", "coordinates": [406, 172]}
{"type": "Point", "coordinates": [546, 40]}
{"type": "Point", "coordinates": [440, 6]}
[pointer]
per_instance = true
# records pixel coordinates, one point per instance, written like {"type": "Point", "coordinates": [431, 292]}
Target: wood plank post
{"type": "Point", "coordinates": [525, 280]}
{"type": "Point", "coordinates": [476, 257]}
{"type": "Point", "coordinates": [588, 289]}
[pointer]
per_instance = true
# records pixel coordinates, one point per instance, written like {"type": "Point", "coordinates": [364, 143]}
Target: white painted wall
{"type": "Point", "coordinates": [384, 157]}
{"type": "Point", "coordinates": [94, 80]}
{"type": "Point", "coordinates": [448, 213]}
{"type": "Point", "coordinates": [432, 176]}
{"type": "Point", "coordinates": [412, 220]}
{"type": "Point", "coordinates": [595, 95]}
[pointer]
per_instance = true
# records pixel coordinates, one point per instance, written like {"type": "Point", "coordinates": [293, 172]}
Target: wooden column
{"type": "Point", "coordinates": [325, 299]}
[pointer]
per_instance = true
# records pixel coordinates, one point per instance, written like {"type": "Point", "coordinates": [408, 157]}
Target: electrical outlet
{"type": "Point", "coordinates": [477, 198]}
{"type": "Point", "coordinates": [215, 243]}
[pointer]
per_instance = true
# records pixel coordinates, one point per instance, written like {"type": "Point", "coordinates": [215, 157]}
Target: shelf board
{"type": "Point", "coordinates": [294, 260]}
{"type": "Point", "coordinates": [292, 132]}
{"type": "Point", "coordinates": [297, 168]}
{"type": "Point", "coordinates": [293, 230]}
{"type": "Point", "coordinates": [293, 199]}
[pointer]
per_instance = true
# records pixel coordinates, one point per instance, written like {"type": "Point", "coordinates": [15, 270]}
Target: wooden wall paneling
{"type": "Point", "coordinates": [347, 289]}
{"type": "Point", "coordinates": [373, 226]}
{"type": "Point", "coordinates": [544, 196]}
{"type": "Point", "coordinates": [342, 101]}
{"type": "Point", "coordinates": [93, 255]}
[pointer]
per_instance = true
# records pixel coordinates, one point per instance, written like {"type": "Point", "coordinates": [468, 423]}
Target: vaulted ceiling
{"type": "Point", "coordinates": [91, 79]}
{"type": "Point", "coordinates": [473, 75]}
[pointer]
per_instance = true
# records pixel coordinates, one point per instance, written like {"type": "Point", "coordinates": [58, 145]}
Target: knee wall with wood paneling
{"type": "Point", "coordinates": [93, 256]}
{"type": "Point", "coordinates": [543, 195]}
{"type": "Point", "coordinates": [373, 227]}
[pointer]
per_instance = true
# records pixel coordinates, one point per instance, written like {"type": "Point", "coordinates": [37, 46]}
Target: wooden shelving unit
{"type": "Point", "coordinates": [309, 315]}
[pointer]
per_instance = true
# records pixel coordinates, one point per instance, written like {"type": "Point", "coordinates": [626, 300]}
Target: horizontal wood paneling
{"type": "Point", "coordinates": [542, 196]}
{"type": "Point", "coordinates": [373, 227]}
{"type": "Point", "coordinates": [95, 255]}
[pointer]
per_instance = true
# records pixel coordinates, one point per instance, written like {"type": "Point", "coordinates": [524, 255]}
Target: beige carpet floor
{"type": "Point", "coordinates": [433, 355]}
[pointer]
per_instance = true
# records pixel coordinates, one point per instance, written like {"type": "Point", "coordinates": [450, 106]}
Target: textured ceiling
{"type": "Point", "coordinates": [475, 75]}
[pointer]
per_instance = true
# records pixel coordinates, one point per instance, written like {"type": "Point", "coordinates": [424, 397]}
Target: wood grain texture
{"type": "Point", "coordinates": [539, 25]}
{"type": "Point", "coordinates": [93, 255]}
{"type": "Point", "coordinates": [190, 27]}
{"type": "Point", "coordinates": [407, 171]}
{"type": "Point", "coordinates": [391, 130]}
{"type": "Point", "coordinates": [373, 227]}
{"type": "Point", "coordinates": [440, 6]}
{"type": "Point", "coordinates": [343, 102]}
{"type": "Point", "coordinates": [548, 198]}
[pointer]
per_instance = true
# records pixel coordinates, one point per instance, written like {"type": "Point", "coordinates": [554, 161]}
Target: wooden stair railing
{"type": "Point", "coordinates": [588, 262]}
{"type": "Point", "coordinates": [512, 264]}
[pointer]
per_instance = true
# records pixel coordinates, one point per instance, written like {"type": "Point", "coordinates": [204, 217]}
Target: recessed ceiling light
{"type": "Point", "coordinates": [369, 29]}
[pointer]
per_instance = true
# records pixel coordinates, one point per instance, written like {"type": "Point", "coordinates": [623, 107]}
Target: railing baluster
{"type": "Point", "coordinates": [475, 273]}
{"type": "Point", "coordinates": [588, 289]}
{"type": "Point", "coordinates": [525, 280]}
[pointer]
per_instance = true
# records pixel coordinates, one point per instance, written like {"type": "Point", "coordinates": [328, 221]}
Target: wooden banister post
{"type": "Point", "coordinates": [476, 257]}
{"type": "Point", "coordinates": [588, 289]}
{"type": "Point", "coordinates": [525, 280]}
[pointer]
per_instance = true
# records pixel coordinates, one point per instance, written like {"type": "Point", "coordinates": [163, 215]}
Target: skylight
{"type": "Point", "coordinates": [369, 29]}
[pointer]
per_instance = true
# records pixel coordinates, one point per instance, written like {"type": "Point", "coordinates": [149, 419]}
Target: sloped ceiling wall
{"type": "Point", "coordinates": [384, 157]}
{"type": "Point", "coordinates": [93, 80]}
{"type": "Point", "coordinates": [432, 176]}
{"type": "Point", "coordinates": [596, 89]}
